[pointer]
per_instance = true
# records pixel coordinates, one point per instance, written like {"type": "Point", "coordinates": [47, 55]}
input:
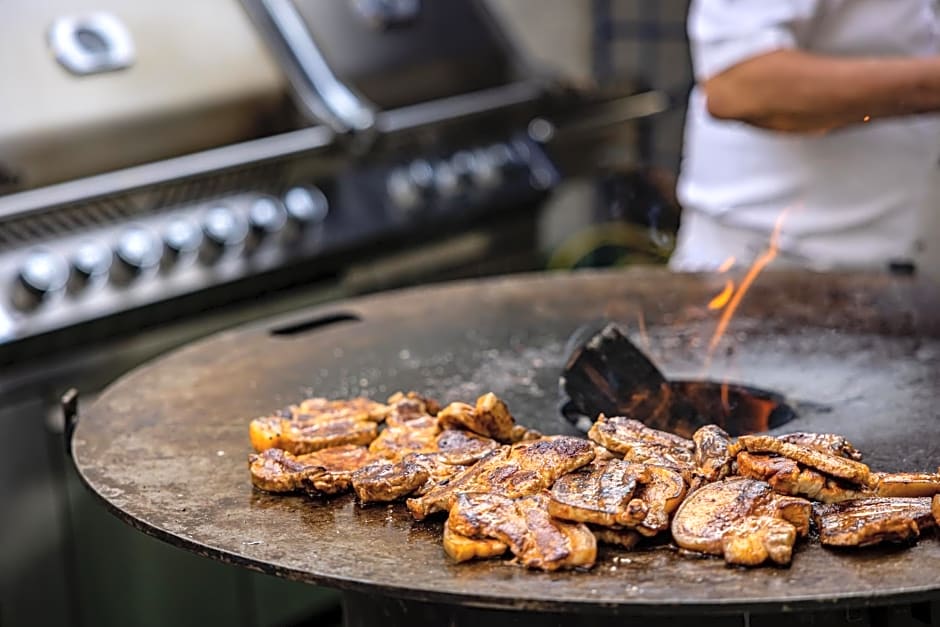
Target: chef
{"type": "Point", "coordinates": [819, 117]}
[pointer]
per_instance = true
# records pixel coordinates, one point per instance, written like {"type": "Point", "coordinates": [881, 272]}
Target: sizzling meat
{"type": "Point", "coordinates": [383, 480]}
{"type": "Point", "coordinates": [624, 538]}
{"type": "Point", "coordinates": [321, 408]}
{"type": "Point", "coordinates": [518, 470]}
{"type": "Point", "coordinates": [867, 521]}
{"type": "Point", "coordinates": [935, 508]}
{"type": "Point", "coordinates": [621, 434]}
{"type": "Point", "coordinates": [405, 408]}
{"type": "Point", "coordinates": [828, 463]}
{"type": "Point", "coordinates": [490, 418]}
{"type": "Point", "coordinates": [461, 548]}
{"type": "Point", "coordinates": [416, 436]}
{"type": "Point", "coordinates": [743, 520]}
{"type": "Point", "coordinates": [462, 447]}
{"type": "Point", "coordinates": [276, 470]}
{"type": "Point", "coordinates": [600, 493]}
{"type": "Point", "coordinates": [788, 477]}
{"type": "Point", "coordinates": [661, 492]}
{"type": "Point", "coordinates": [712, 453]}
{"type": "Point", "coordinates": [310, 434]}
{"type": "Point", "coordinates": [828, 442]}
{"type": "Point", "coordinates": [525, 526]}
{"type": "Point", "coordinates": [906, 483]}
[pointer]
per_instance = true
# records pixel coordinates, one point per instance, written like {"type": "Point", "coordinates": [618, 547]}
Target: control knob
{"type": "Point", "coordinates": [138, 250]}
{"type": "Point", "coordinates": [408, 187]}
{"type": "Point", "coordinates": [306, 206]}
{"type": "Point", "coordinates": [90, 264]}
{"type": "Point", "coordinates": [42, 274]}
{"type": "Point", "coordinates": [266, 216]}
{"type": "Point", "coordinates": [223, 230]}
{"type": "Point", "coordinates": [181, 238]}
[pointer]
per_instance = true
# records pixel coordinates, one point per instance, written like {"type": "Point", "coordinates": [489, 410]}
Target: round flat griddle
{"type": "Point", "coordinates": [166, 446]}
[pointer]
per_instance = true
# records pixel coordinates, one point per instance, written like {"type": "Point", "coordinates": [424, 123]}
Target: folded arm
{"type": "Point", "coordinates": [794, 91]}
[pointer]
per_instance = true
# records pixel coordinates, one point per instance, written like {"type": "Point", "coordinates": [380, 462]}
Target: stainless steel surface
{"type": "Point", "coordinates": [324, 97]}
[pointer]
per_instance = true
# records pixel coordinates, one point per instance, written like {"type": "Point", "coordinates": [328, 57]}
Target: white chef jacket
{"type": "Point", "coordinates": [855, 197]}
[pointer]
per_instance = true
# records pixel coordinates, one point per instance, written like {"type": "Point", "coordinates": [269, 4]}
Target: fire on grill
{"type": "Point", "coordinates": [549, 500]}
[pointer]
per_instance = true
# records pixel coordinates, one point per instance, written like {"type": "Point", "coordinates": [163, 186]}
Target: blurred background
{"type": "Point", "coordinates": [171, 169]}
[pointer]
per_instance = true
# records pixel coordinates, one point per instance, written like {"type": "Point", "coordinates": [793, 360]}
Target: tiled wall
{"type": "Point", "coordinates": [645, 40]}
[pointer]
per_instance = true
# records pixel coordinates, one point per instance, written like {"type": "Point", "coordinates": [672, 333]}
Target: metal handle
{"type": "Point", "coordinates": [69, 404]}
{"type": "Point", "coordinates": [600, 116]}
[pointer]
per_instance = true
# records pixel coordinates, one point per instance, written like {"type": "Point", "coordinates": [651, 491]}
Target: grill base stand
{"type": "Point", "coordinates": [365, 610]}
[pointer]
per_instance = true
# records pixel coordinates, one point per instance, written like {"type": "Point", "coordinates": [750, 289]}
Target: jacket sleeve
{"type": "Point", "coordinates": [724, 33]}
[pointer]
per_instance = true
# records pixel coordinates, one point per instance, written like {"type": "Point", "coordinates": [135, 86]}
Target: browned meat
{"type": "Point", "coordinates": [335, 467]}
{"type": "Point", "coordinates": [872, 520]}
{"type": "Point", "coordinates": [658, 455]}
{"type": "Point", "coordinates": [383, 480]}
{"type": "Point", "coordinates": [624, 538]}
{"type": "Point", "coordinates": [490, 418]}
{"type": "Point", "coordinates": [828, 442]}
{"type": "Point", "coordinates": [935, 508]}
{"type": "Point", "coordinates": [525, 526]}
{"type": "Point", "coordinates": [462, 447]}
{"type": "Point", "coordinates": [602, 454]}
{"type": "Point", "coordinates": [308, 435]}
{"type": "Point", "coordinates": [906, 483]}
{"type": "Point", "coordinates": [661, 492]}
{"type": "Point", "coordinates": [321, 408]}
{"type": "Point", "coordinates": [599, 493]}
{"type": "Point", "coordinates": [788, 477]}
{"type": "Point", "coordinates": [740, 519]}
{"type": "Point", "coordinates": [461, 548]}
{"type": "Point", "coordinates": [520, 433]}
{"type": "Point", "coordinates": [276, 470]}
{"type": "Point", "coordinates": [406, 408]}
{"type": "Point", "coordinates": [513, 471]}
{"type": "Point", "coordinates": [712, 452]}
{"type": "Point", "coordinates": [396, 442]}
{"type": "Point", "coordinates": [620, 434]}
{"type": "Point", "coordinates": [828, 463]}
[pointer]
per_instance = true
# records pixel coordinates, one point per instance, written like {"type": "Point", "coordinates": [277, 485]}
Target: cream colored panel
{"type": "Point", "coordinates": [202, 77]}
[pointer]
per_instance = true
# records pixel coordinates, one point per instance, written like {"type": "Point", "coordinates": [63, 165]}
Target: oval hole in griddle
{"type": "Point", "coordinates": [313, 324]}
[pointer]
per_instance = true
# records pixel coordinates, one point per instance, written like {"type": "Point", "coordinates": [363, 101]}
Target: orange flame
{"type": "Point", "coordinates": [723, 297]}
{"type": "Point", "coordinates": [644, 337]}
{"type": "Point", "coordinates": [726, 265]}
{"type": "Point", "coordinates": [725, 403]}
{"type": "Point", "coordinates": [756, 268]}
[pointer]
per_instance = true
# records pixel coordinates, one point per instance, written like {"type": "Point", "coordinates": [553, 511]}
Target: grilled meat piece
{"type": "Point", "coordinates": [906, 483]}
{"type": "Point", "coordinates": [461, 548]}
{"type": "Point", "coordinates": [520, 433]}
{"type": "Point", "coordinates": [405, 409]}
{"type": "Point", "coordinates": [712, 454]}
{"type": "Point", "coordinates": [321, 408]}
{"type": "Point", "coordinates": [462, 447]}
{"type": "Point", "coordinates": [828, 463]}
{"type": "Point", "coordinates": [305, 436]}
{"type": "Point", "coordinates": [935, 508]}
{"type": "Point", "coordinates": [383, 481]}
{"type": "Point", "coordinates": [489, 417]}
{"type": "Point", "coordinates": [624, 538]}
{"type": "Point", "coordinates": [525, 526]}
{"type": "Point", "coordinates": [868, 521]}
{"type": "Point", "coordinates": [828, 442]}
{"type": "Point", "coordinates": [599, 493]}
{"type": "Point", "coordinates": [661, 491]}
{"type": "Point", "coordinates": [788, 477]}
{"type": "Point", "coordinates": [741, 510]}
{"type": "Point", "coordinates": [620, 434]}
{"type": "Point", "coordinates": [416, 436]}
{"type": "Point", "coordinates": [512, 471]}
{"type": "Point", "coordinates": [276, 470]}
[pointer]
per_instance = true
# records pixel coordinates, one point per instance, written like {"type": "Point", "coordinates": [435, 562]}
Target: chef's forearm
{"type": "Point", "coordinates": [790, 90]}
